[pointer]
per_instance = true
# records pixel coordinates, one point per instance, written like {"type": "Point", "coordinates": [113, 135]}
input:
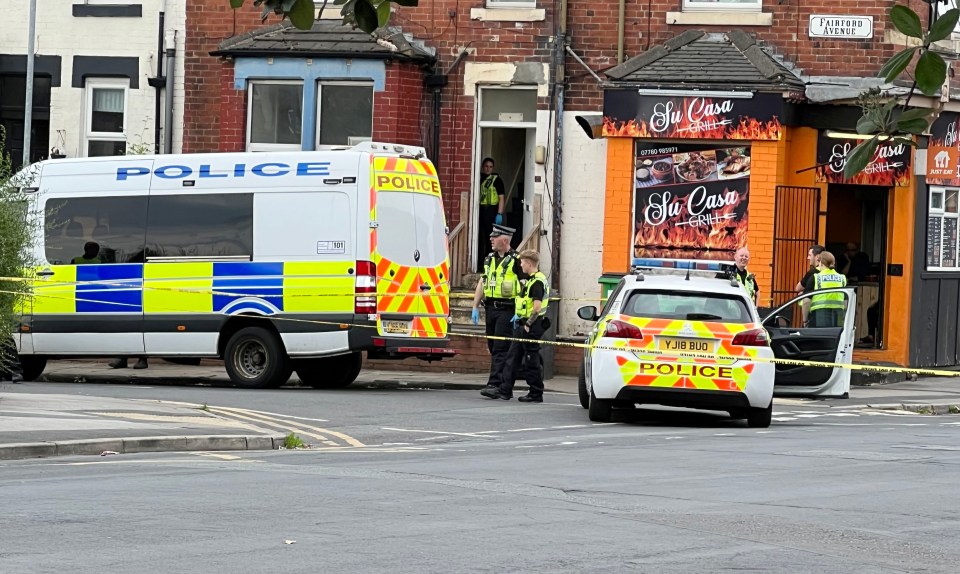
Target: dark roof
{"type": "Point", "coordinates": [327, 38]}
{"type": "Point", "coordinates": [697, 58]}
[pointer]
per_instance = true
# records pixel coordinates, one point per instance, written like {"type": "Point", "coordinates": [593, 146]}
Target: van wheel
{"type": "Point", "coordinates": [600, 410]}
{"type": "Point", "coordinates": [760, 418]}
{"type": "Point", "coordinates": [330, 372]}
{"type": "Point", "coordinates": [32, 366]}
{"type": "Point", "coordinates": [255, 359]}
{"type": "Point", "coordinates": [582, 387]}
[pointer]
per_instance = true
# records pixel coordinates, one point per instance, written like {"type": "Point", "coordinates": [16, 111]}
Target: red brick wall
{"type": "Point", "coordinates": [397, 110]}
{"type": "Point", "coordinates": [209, 22]}
{"type": "Point", "coordinates": [593, 27]}
{"type": "Point", "coordinates": [233, 112]}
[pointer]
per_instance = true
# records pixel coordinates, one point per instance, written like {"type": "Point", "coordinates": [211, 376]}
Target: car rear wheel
{"type": "Point", "coordinates": [255, 359]}
{"type": "Point", "coordinates": [600, 410]}
{"type": "Point", "coordinates": [582, 387]}
{"type": "Point", "coordinates": [760, 418]}
{"type": "Point", "coordinates": [330, 372]}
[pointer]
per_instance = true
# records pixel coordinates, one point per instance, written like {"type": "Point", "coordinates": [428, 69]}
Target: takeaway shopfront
{"type": "Point", "coordinates": [697, 175]}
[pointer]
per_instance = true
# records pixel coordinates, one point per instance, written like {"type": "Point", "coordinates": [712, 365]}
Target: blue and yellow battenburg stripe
{"type": "Point", "coordinates": [204, 287]}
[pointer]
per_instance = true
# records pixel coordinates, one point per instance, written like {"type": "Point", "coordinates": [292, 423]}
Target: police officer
{"type": "Point", "coordinates": [492, 202]}
{"type": "Point", "coordinates": [746, 279]}
{"type": "Point", "coordinates": [827, 309]}
{"type": "Point", "coordinates": [529, 324]}
{"type": "Point", "coordinates": [497, 288]}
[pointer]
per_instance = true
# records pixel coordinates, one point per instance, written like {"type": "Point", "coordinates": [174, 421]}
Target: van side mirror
{"type": "Point", "coordinates": [588, 313]}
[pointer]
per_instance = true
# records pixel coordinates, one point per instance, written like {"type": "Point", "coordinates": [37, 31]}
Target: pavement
{"type": "Point", "coordinates": [34, 424]}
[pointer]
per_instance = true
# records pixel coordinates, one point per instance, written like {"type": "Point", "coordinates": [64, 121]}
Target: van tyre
{"type": "Point", "coordinates": [599, 410]}
{"type": "Point", "coordinates": [330, 372]}
{"type": "Point", "coordinates": [582, 387]}
{"type": "Point", "coordinates": [255, 359]}
{"type": "Point", "coordinates": [32, 366]}
{"type": "Point", "coordinates": [760, 418]}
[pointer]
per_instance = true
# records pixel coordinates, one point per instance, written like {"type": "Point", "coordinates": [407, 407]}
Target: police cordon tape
{"type": "Point", "coordinates": [622, 348]}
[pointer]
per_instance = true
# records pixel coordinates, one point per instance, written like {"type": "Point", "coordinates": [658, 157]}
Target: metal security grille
{"type": "Point", "coordinates": [795, 229]}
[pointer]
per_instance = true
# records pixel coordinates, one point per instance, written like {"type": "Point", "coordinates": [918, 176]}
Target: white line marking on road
{"type": "Point", "coordinates": [436, 432]}
{"type": "Point", "coordinates": [724, 434]}
{"type": "Point", "coordinates": [525, 430]}
{"type": "Point", "coordinates": [570, 427]}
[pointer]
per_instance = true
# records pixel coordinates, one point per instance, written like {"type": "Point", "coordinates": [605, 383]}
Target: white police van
{"type": "Point", "coordinates": [273, 262]}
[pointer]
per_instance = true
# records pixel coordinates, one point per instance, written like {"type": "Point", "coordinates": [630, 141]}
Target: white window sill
{"type": "Point", "coordinates": [721, 18]}
{"type": "Point", "coordinates": [508, 14]}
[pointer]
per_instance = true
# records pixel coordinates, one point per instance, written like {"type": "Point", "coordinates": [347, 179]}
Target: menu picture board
{"type": "Point", "coordinates": [690, 201]}
{"type": "Point", "coordinates": [949, 236]}
{"type": "Point", "coordinates": [933, 241]}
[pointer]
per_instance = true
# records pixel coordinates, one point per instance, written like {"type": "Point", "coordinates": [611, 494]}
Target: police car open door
{"type": "Point", "coordinates": [816, 327]}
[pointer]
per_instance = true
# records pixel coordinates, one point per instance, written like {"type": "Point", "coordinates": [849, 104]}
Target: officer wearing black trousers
{"type": "Point", "coordinates": [497, 289]}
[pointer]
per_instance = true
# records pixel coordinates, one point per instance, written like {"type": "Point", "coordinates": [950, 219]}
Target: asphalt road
{"type": "Point", "coordinates": [448, 482]}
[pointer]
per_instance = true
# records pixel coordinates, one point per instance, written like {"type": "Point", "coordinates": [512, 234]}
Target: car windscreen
{"type": "Point", "coordinates": [714, 307]}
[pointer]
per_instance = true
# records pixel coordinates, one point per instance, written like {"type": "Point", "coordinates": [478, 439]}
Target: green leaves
{"type": "Point", "coordinates": [301, 14]}
{"type": "Point", "coordinates": [944, 26]}
{"type": "Point", "coordinates": [931, 72]}
{"type": "Point", "coordinates": [914, 121]}
{"type": "Point", "coordinates": [906, 21]}
{"type": "Point", "coordinates": [897, 64]}
{"type": "Point", "coordinates": [368, 15]}
{"type": "Point", "coordinates": [365, 16]}
{"type": "Point", "coordinates": [383, 14]}
{"type": "Point", "coordinates": [236, 4]}
{"type": "Point", "coordinates": [860, 157]}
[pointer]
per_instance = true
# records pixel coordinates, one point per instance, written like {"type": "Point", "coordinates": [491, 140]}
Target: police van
{"type": "Point", "coordinates": [273, 262]}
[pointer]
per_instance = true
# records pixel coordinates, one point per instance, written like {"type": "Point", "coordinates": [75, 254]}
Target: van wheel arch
{"type": "Point", "coordinates": [234, 324]}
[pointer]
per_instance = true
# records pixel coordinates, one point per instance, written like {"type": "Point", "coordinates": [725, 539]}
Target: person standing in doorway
{"type": "Point", "coordinates": [746, 279]}
{"type": "Point", "coordinates": [827, 309]}
{"type": "Point", "coordinates": [801, 287]}
{"type": "Point", "coordinates": [497, 288]}
{"type": "Point", "coordinates": [492, 204]}
{"type": "Point", "coordinates": [529, 324]}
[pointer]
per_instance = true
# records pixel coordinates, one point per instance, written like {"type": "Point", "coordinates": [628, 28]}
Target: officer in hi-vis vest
{"type": "Point", "coordinates": [827, 309]}
{"type": "Point", "coordinates": [746, 279]}
{"type": "Point", "coordinates": [497, 288]}
{"type": "Point", "coordinates": [492, 204]}
{"type": "Point", "coordinates": [529, 324]}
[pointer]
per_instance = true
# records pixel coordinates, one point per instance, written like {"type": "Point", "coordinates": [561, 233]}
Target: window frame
{"type": "Point", "coordinates": [352, 83]}
{"type": "Point", "coordinates": [719, 6]}
{"type": "Point", "coordinates": [943, 215]}
{"type": "Point", "coordinates": [260, 147]}
{"type": "Point", "coordinates": [109, 84]}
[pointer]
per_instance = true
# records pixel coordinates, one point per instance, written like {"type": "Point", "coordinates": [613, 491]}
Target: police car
{"type": "Point", "coordinates": [692, 338]}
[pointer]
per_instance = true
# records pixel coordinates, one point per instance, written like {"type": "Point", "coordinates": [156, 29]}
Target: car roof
{"type": "Point", "coordinates": [679, 282]}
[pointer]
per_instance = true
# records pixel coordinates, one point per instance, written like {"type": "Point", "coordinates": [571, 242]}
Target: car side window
{"type": "Point", "coordinates": [611, 299]}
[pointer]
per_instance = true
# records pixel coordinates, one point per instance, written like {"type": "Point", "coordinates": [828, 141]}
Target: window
{"type": "Point", "coordinates": [106, 115]}
{"type": "Point", "coordinates": [942, 221]}
{"type": "Point", "coordinates": [722, 5]}
{"type": "Point", "coordinates": [115, 224]}
{"type": "Point", "coordinates": [275, 116]}
{"type": "Point", "coordinates": [431, 241]}
{"type": "Point", "coordinates": [344, 113]}
{"type": "Point", "coordinates": [397, 233]}
{"type": "Point", "coordinates": [687, 306]}
{"type": "Point", "coordinates": [201, 226]}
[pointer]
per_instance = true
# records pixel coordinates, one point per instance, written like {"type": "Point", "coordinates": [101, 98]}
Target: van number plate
{"type": "Point", "coordinates": [676, 345]}
{"type": "Point", "coordinates": [396, 327]}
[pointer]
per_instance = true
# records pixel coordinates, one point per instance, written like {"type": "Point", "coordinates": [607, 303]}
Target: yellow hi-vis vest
{"type": "Point", "coordinates": [525, 302]}
{"type": "Point", "coordinates": [488, 192]}
{"type": "Point", "coordinates": [500, 281]}
{"type": "Point", "coordinates": [828, 279]}
{"type": "Point", "coordinates": [747, 283]}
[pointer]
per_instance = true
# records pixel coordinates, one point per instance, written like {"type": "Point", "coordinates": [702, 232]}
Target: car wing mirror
{"type": "Point", "coordinates": [587, 313]}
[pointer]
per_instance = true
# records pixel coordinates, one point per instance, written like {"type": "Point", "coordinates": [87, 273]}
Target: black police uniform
{"type": "Point", "coordinates": [523, 358]}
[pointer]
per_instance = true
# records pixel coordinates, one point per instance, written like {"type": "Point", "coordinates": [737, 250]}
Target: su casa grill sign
{"type": "Point", "coordinates": [627, 113]}
{"type": "Point", "coordinates": [830, 26]}
{"type": "Point", "coordinates": [890, 165]}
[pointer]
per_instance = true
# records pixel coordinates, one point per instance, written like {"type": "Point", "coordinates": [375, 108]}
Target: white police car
{"type": "Point", "coordinates": [682, 338]}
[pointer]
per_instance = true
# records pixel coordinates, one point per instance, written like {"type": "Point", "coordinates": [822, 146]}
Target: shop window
{"type": "Point", "coordinates": [722, 5]}
{"type": "Point", "coordinates": [344, 113]}
{"type": "Point", "coordinates": [106, 117]}
{"type": "Point", "coordinates": [275, 116]}
{"type": "Point", "coordinates": [942, 219]}
{"type": "Point", "coordinates": [211, 226]}
{"type": "Point", "coordinates": [115, 224]}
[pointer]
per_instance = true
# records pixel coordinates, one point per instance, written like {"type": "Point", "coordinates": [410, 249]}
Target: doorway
{"type": "Point", "coordinates": [13, 113]}
{"type": "Point", "coordinates": [856, 234]}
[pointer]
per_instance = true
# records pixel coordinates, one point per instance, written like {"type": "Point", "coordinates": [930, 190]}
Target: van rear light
{"type": "Point", "coordinates": [366, 282]}
{"type": "Point", "coordinates": [622, 330]}
{"type": "Point", "coordinates": [752, 338]}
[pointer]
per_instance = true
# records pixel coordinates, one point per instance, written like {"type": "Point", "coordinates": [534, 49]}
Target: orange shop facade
{"type": "Point", "coordinates": [698, 175]}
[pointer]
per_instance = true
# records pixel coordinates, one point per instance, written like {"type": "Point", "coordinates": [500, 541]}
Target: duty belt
{"type": "Point", "coordinates": [500, 303]}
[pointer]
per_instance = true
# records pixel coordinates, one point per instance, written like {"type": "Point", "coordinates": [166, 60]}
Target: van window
{"type": "Point", "coordinates": [200, 225]}
{"type": "Point", "coordinates": [431, 229]}
{"type": "Point", "coordinates": [397, 227]}
{"type": "Point", "coordinates": [687, 306]}
{"type": "Point", "coordinates": [116, 224]}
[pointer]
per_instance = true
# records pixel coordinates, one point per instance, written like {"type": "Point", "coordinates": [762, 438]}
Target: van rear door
{"type": "Point", "coordinates": [409, 249]}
